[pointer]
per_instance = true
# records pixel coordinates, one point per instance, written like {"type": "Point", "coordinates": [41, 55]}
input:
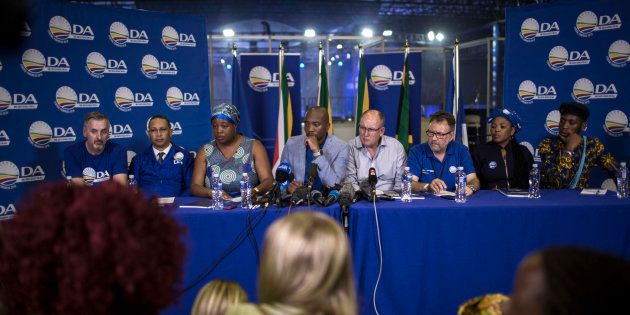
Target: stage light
{"type": "Point", "coordinates": [309, 32]}
{"type": "Point", "coordinates": [340, 63]}
{"type": "Point", "coordinates": [222, 61]}
{"type": "Point", "coordinates": [229, 66]}
{"type": "Point", "coordinates": [387, 33]}
{"type": "Point", "coordinates": [302, 65]}
{"type": "Point", "coordinates": [348, 56]}
{"type": "Point", "coordinates": [366, 32]}
{"type": "Point", "coordinates": [431, 35]}
{"type": "Point", "coordinates": [228, 32]}
{"type": "Point", "coordinates": [339, 46]}
{"type": "Point", "coordinates": [332, 58]}
{"type": "Point", "coordinates": [439, 36]}
{"type": "Point", "coordinates": [329, 63]}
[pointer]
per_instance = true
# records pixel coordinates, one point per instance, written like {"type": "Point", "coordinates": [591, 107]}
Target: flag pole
{"type": "Point", "coordinates": [456, 78]}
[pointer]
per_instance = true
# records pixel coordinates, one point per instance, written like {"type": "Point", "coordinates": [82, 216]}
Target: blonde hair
{"type": "Point", "coordinates": [216, 296]}
{"type": "Point", "coordinates": [306, 264]}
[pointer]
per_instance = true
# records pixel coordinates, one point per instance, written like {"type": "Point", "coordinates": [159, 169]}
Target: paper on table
{"type": "Point", "coordinates": [166, 200]}
{"type": "Point", "coordinates": [444, 193]}
{"type": "Point", "coordinates": [593, 191]}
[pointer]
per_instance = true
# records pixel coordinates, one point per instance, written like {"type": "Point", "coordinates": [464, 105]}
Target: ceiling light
{"type": "Point", "coordinates": [387, 33]}
{"type": "Point", "coordinates": [339, 46]}
{"type": "Point", "coordinates": [309, 32]}
{"type": "Point", "coordinates": [228, 32]}
{"type": "Point", "coordinates": [366, 32]}
{"type": "Point", "coordinates": [431, 35]}
{"type": "Point", "coordinates": [222, 61]}
{"type": "Point", "coordinates": [439, 36]}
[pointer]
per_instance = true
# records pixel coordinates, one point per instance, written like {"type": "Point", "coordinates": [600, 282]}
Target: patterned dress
{"type": "Point", "coordinates": [558, 168]}
{"type": "Point", "coordinates": [231, 171]}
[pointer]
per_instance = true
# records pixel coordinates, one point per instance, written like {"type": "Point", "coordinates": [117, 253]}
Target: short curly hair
{"type": "Point", "coordinates": [81, 250]}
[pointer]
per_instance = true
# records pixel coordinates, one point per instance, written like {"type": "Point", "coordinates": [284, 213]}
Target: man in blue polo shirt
{"type": "Point", "coordinates": [95, 160]}
{"type": "Point", "coordinates": [164, 168]}
{"type": "Point", "coordinates": [435, 162]}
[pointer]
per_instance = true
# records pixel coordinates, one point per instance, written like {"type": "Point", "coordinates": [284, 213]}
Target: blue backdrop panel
{"type": "Point", "coordinates": [76, 59]}
{"type": "Point", "coordinates": [570, 52]}
{"type": "Point", "coordinates": [260, 73]}
{"type": "Point", "coordinates": [385, 71]}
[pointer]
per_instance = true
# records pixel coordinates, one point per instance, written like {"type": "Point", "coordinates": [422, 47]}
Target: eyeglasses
{"type": "Point", "coordinates": [439, 135]}
{"type": "Point", "coordinates": [369, 130]}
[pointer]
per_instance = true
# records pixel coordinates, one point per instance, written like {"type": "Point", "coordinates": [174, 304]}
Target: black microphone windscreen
{"type": "Point", "coordinates": [312, 171]}
{"type": "Point", "coordinates": [372, 179]}
{"type": "Point", "coordinates": [346, 194]}
{"type": "Point", "coordinates": [281, 176]}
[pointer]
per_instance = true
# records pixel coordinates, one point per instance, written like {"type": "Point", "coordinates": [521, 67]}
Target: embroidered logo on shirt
{"type": "Point", "coordinates": [452, 169]}
{"type": "Point", "coordinates": [492, 165]}
{"type": "Point", "coordinates": [177, 159]}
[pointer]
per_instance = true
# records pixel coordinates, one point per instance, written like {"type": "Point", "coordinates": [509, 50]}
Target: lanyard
{"type": "Point", "coordinates": [442, 171]}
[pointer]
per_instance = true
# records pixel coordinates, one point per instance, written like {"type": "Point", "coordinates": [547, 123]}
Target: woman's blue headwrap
{"type": "Point", "coordinates": [508, 114]}
{"type": "Point", "coordinates": [227, 112]}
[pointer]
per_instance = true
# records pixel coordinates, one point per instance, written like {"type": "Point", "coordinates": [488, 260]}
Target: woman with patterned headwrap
{"type": "Point", "coordinates": [230, 155]}
{"type": "Point", "coordinates": [503, 162]}
{"type": "Point", "coordinates": [567, 160]}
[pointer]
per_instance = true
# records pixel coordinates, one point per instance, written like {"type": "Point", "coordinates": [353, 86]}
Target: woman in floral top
{"type": "Point", "coordinates": [562, 157]}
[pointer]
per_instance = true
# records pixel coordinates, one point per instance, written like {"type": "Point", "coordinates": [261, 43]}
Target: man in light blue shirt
{"type": "Point", "coordinates": [372, 148]}
{"type": "Point", "coordinates": [434, 163]}
{"type": "Point", "coordinates": [318, 147]}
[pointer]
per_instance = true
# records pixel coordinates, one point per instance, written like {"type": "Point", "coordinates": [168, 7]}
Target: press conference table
{"type": "Point", "coordinates": [436, 253]}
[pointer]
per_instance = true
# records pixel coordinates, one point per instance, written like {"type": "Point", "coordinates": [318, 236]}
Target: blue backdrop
{"type": "Point", "coordinates": [76, 59]}
{"type": "Point", "coordinates": [567, 51]}
{"type": "Point", "coordinates": [385, 71]}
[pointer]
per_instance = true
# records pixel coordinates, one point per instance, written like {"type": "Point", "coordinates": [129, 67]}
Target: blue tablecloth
{"type": "Point", "coordinates": [437, 254]}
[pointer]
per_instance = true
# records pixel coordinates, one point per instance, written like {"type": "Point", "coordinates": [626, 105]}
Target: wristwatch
{"type": "Point", "coordinates": [472, 188]}
{"type": "Point", "coordinates": [256, 190]}
{"type": "Point", "coordinates": [569, 153]}
{"type": "Point", "coordinates": [425, 187]}
{"type": "Point", "coordinates": [317, 154]}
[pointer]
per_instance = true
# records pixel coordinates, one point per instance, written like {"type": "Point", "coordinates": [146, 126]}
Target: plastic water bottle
{"type": "Point", "coordinates": [405, 194]}
{"type": "Point", "coordinates": [246, 192]}
{"type": "Point", "coordinates": [534, 182]}
{"type": "Point", "coordinates": [460, 185]}
{"type": "Point", "coordinates": [622, 181]}
{"type": "Point", "coordinates": [217, 193]}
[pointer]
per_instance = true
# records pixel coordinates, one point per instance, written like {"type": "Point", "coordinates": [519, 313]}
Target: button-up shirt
{"type": "Point", "coordinates": [389, 162]}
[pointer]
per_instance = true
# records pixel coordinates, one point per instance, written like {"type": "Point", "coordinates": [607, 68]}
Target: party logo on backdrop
{"type": "Point", "coordinates": [125, 99]}
{"type": "Point", "coordinates": [584, 90]}
{"type": "Point", "coordinates": [120, 131]}
{"type": "Point", "coordinates": [175, 98]}
{"type": "Point", "coordinates": [40, 134]}
{"type": "Point", "coordinates": [16, 101]}
{"type": "Point", "coordinates": [4, 138]}
{"type": "Point", "coordinates": [615, 123]}
{"type": "Point", "coordinates": [528, 92]}
{"type": "Point", "coordinates": [381, 77]}
{"type": "Point", "coordinates": [7, 212]}
{"type": "Point", "coordinates": [34, 63]}
{"type": "Point", "coordinates": [97, 66]}
{"type": "Point", "coordinates": [67, 99]}
{"type": "Point", "coordinates": [618, 53]}
{"type": "Point", "coordinates": [120, 35]}
{"type": "Point", "coordinates": [552, 123]}
{"type": "Point", "coordinates": [559, 57]}
{"type": "Point", "coordinates": [260, 79]}
{"type": "Point", "coordinates": [10, 174]}
{"type": "Point", "coordinates": [171, 39]}
{"type": "Point", "coordinates": [530, 29]}
{"type": "Point", "coordinates": [60, 30]}
{"type": "Point", "coordinates": [151, 67]}
{"type": "Point", "coordinates": [588, 22]}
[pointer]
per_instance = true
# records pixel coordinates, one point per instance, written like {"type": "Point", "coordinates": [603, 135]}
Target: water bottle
{"type": "Point", "coordinates": [217, 193]}
{"type": "Point", "coordinates": [534, 182]}
{"type": "Point", "coordinates": [460, 185]}
{"type": "Point", "coordinates": [405, 194]}
{"type": "Point", "coordinates": [622, 181]}
{"type": "Point", "coordinates": [246, 192]}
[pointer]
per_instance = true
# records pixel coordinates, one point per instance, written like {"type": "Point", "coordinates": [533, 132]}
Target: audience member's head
{"type": "Point", "coordinates": [569, 280]}
{"type": "Point", "coordinates": [81, 250]}
{"type": "Point", "coordinates": [306, 264]}
{"type": "Point", "coordinates": [489, 304]}
{"type": "Point", "coordinates": [215, 297]}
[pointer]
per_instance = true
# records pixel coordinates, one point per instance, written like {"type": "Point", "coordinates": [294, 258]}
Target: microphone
{"type": "Point", "coordinates": [317, 197]}
{"type": "Point", "coordinates": [283, 174]}
{"type": "Point", "coordinates": [372, 180]}
{"type": "Point", "coordinates": [312, 173]}
{"type": "Point", "coordinates": [333, 196]}
{"type": "Point", "coordinates": [299, 195]}
{"type": "Point", "coordinates": [346, 197]}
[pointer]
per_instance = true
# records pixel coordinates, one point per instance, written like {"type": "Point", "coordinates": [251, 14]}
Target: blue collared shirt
{"type": "Point", "coordinates": [423, 163]}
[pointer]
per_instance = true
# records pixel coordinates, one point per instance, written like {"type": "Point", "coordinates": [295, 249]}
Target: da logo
{"type": "Point", "coordinates": [35, 64]}
{"type": "Point", "coordinates": [66, 100]}
{"type": "Point", "coordinates": [120, 35]}
{"type": "Point", "coordinates": [559, 57]}
{"type": "Point", "coordinates": [151, 67]}
{"type": "Point", "coordinates": [10, 174]}
{"type": "Point", "coordinates": [60, 30]}
{"type": "Point", "coordinates": [26, 30]}
{"type": "Point", "coordinates": [619, 53]}
{"type": "Point", "coordinates": [91, 176]}
{"type": "Point", "coordinates": [259, 79]}
{"type": "Point", "coordinates": [552, 123]}
{"type": "Point", "coordinates": [97, 66]}
{"type": "Point", "coordinates": [588, 22]}
{"type": "Point", "coordinates": [7, 212]}
{"type": "Point", "coordinates": [176, 127]}
{"type": "Point", "coordinates": [171, 38]}
{"type": "Point", "coordinates": [118, 131]}
{"type": "Point", "coordinates": [528, 92]}
{"type": "Point", "coordinates": [41, 135]}
{"type": "Point", "coordinates": [380, 77]}
{"type": "Point", "coordinates": [530, 29]}
{"type": "Point", "coordinates": [4, 138]}
{"type": "Point", "coordinates": [125, 99]}
{"type": "Point", "coordinates": [16, 101]}
{"type": "Point", "coordinates": [175, 98]}
{"type": "Point", "coordinates": [584, 90]}
{"type": "Point", "coordinates": [615, 123]}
